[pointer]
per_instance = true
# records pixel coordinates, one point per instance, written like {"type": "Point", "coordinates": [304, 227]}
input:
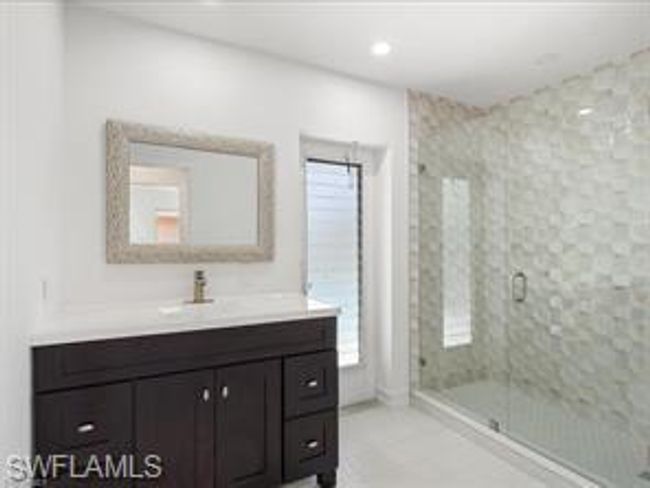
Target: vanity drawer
{"type": "Point", "coordinates": [310, 383]}
{"type": "Point", "coordinates": [81, 364]}
{"type": "Point", "coordinates": [310, 445]}
{"type": "Point", "coordinates": [97, 416]}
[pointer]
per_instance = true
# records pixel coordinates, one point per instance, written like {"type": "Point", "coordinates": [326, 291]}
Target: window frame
{"type": "Point", "coordinates": [360, 248]}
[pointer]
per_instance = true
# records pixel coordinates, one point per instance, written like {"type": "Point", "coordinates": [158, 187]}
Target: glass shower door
{"type": "Point", "coordinates": [579, 237]}
{"type": "Point", "coordinates": [534, 268]}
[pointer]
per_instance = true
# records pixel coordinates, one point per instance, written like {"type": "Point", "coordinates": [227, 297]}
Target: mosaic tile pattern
{"type": "Point", "coordinates": [579, 223]}
{"type": "Point", "coordinates": [431, 121]}
{"type": "Point", "coordinates": [444, 152]}
{"type": "Point", "coordinates": [561, 191]}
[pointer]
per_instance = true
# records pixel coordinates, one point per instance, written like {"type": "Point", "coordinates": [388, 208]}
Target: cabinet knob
{"type": "Point", "coordinates": [225, 392]}
{"type": "Point", "coordinates": [312, 384]}
{"type": "Point", "coordinates": [312, 445]}
{"type": "Point", "coordinates": [205, 395]}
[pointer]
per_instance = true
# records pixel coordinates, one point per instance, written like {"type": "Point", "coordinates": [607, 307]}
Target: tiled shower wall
{"type": "Point", "coordinates": [560, 189]}
{"type": "Point", "coordinates": [441, 148]}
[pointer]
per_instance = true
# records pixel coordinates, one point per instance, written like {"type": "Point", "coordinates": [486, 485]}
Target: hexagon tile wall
{"type": "Point", "coordinates": [560, 190]}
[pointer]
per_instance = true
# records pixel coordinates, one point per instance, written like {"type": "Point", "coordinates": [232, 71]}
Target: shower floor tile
{"type": "Point", "coordinates": [585, 443]}
{"type": "Point", "coordinates": [390, 447]}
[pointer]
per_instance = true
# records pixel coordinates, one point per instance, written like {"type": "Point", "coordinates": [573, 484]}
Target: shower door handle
{"type": "Point", "coordinates": [519, 287]}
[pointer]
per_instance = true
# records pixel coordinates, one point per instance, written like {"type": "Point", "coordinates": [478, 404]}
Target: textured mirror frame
{"type": "Point", "coordinates": [118, 246]}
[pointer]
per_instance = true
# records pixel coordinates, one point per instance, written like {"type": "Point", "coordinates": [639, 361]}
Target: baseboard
{"type": "Point", "coordinates": [350, 396]}
{"type": "Point", "coordinates": [547, 470]}
{"type": "Point", "coordinates": [393, 398]}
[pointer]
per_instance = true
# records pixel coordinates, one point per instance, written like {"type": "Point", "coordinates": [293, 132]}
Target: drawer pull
{"type": "Point", "coordinates": [86, 428]}
{"type": "Point", "coordinates": [206, 395]}
{"type": "Point", "coordinates": [312, 445]}
{"type": "Point", "coordinates": [312, 384]}
{"type": "Point", "coordinates": [225, 392]}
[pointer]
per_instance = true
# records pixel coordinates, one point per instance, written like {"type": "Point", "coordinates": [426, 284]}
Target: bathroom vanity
{"type": "Point", "coordinates": [226, 398]}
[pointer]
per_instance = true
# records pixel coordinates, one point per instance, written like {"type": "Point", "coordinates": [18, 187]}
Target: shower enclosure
{"type": "Point", "coordinates": [531, 267]}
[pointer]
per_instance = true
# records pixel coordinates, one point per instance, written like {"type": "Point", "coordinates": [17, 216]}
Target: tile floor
{"type": "Point", "coordinates": [384, 447]}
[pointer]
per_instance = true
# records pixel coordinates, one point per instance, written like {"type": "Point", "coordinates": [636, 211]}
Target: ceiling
{"type": "Point", "coordinates": [478, 52]}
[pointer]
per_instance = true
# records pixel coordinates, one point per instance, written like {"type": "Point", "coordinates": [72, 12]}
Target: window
{"type": "Point", "coordinates": [456, 262]}
{"type": "Point", "coordinates": [334, 213]}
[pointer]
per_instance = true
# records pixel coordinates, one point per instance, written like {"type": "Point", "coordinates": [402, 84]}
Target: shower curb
{"type": "Point", "coordinates": [546, 470]}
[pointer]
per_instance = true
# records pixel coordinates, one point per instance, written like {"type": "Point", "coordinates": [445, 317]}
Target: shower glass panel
{"type": "Point", "coordinates": [462, 271]}
{"type": "Point", "coordinates": [533, 267]}
{"type": "Point", "coordinates": [579, 222]}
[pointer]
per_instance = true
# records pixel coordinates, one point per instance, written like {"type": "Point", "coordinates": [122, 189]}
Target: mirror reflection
{"type": "Point", "coordinates": [187, 196]}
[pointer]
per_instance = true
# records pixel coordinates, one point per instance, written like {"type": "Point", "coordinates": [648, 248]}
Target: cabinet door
{"type": "Point", "coordinates": [175, 420]}
{"type": "Point", "coordinates": [248, 429]}
{"type": "Point", "coordinates": [88, 423]}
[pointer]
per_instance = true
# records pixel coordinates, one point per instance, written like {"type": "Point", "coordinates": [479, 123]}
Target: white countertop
{"type": "Point", "coordinates": [113, 322]}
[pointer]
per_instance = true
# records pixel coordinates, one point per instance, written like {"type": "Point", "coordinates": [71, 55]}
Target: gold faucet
{"type": "Point", "coordinates": [200, 282]}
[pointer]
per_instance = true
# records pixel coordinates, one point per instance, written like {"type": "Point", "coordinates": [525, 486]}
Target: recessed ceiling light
{"type": "Point", "coordinates": [381, 48]}
{"type": "Point", "coordinates": [585, 111]}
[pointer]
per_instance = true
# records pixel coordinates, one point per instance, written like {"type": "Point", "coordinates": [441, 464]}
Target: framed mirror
{"type": "Point", "coordinates": [181, 197]}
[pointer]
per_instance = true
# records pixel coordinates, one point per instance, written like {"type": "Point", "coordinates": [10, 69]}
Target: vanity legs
{"type": "Point", "coordinates": [327, 480]}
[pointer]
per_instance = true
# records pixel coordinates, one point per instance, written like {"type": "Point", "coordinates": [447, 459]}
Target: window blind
{"type": "Point", "coordinates": [334, 225]}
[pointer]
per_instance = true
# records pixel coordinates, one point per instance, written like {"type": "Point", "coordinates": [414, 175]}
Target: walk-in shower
{"type": "Point", "coordinates": [531, 266]}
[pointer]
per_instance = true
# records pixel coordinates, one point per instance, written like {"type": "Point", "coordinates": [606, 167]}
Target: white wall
{"type": "Point", "coordinates": [31, 95]}
{"type": "Point", "coordinates": [121, 69]}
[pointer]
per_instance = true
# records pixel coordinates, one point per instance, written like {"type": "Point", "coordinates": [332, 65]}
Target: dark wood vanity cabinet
{"type": "Point", "coordinates": [174, 419]}
{"type": "Point", "coordinates": [249, 424]}
{"type": "Point", "coordinates": [241, 407]}
{"type": "Point", "coordinates": [310, 412]}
